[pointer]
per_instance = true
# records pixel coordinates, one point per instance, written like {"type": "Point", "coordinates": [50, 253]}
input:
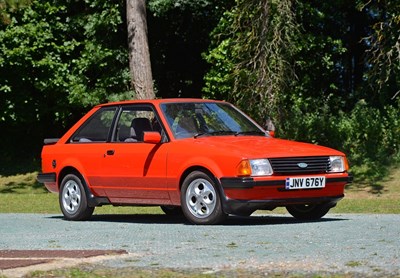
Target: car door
{"type": "Point", "coordinates": [134, 171]}
{"type": "Point", "coordinates": [85, 149]}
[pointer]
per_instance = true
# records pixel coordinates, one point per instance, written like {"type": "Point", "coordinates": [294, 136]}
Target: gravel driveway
{"type": "Point", "coordinates": [367, 245]}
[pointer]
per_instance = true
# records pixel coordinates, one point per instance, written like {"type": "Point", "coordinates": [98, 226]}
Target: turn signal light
{"type": "Point", "coordinates": [244, 168]}
{"type": "Point", "coordinates": [346, 164]}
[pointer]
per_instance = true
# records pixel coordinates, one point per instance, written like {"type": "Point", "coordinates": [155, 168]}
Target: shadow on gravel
{"type": "Point", "coordinates": [272, 220]}
{"type": "Point", "coordinates": [257, 220]}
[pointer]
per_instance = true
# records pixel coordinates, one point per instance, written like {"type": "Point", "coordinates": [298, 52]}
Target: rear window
{"type": "Point", "coordinates": [97, 127]}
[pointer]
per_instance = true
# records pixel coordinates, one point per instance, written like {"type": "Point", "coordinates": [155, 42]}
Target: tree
{"type": "Point", "coordinates": [251, 55]}
{"type": "Point", "coordinates": [57, 59]}
{"type": "Point", "coordinates": [328, 73]}
{"type": "Point", "coordinates": [7, 6]}
{"type": "Point", "coordinates": [383, 54]}
{"type": "Point", "coordinates": [139, 55]}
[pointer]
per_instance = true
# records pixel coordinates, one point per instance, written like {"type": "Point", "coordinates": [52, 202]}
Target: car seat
{"type": "Point", "coordinates": [139, 126]}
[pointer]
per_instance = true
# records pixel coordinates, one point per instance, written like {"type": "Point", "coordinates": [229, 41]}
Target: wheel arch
{"type": "Point", "coordinates": [196, 168]}
{"type": "Point", "coordinates": [69, 170]}
{"type": "Point", "coordinates": [210, 174]}
{"type": "Point", "coordinates": [92, 200]}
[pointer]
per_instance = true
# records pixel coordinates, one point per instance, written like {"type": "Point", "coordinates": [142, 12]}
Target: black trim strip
{"type": "Point", "coordinates": [46, 177]}
{"type": "Point", "coordinates": [245, 183]}
{"type": "Point", "coordinates": [237, 182]}
{"type": "Point", "coordinates": [50, 141]}
{"type": "Point", "coordinates": [348, 179]}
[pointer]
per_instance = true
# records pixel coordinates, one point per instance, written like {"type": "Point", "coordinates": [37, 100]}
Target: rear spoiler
{"type": "Point", "coordinates": [50, 141]}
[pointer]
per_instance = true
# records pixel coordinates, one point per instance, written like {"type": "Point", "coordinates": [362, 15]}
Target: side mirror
{"type": "Point", "coordinates": [152, 137]}
{"type": "Point", "coordinates": [269, 126]}
{"type": "Point", "coordinates": [271, 133]}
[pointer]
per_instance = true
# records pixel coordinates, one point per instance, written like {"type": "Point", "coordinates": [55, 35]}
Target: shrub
{"type": "Point", "coordinates": [369, 136]}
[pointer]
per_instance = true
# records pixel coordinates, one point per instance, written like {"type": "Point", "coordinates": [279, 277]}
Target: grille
{"type": "Point", "coordinates": [290, 165]}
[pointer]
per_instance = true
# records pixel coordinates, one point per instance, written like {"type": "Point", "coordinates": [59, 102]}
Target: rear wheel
{"type": "Point", "coordinates": [73, 200]}
{"type": "Point", "coordinates": [308, 212]}
{"type": "Point", "coordinates": [201, 203]}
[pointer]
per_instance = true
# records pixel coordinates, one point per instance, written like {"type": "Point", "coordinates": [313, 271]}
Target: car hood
{"type": "Point", "coordinates": [258, 146]}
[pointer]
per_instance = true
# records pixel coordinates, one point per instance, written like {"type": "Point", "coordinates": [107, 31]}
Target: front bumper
{"type": "Point", "coordinates": [248, 182]}
{"type": "Point", "coordinates": [242, 196]}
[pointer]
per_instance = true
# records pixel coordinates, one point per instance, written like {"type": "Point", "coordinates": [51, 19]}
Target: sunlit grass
{"type": "Point", "coordinates": [163, 272]}
{"type": "Point", "coordinates": [378, 205]}
{"type": "Point", "coordinates": [23, 194]}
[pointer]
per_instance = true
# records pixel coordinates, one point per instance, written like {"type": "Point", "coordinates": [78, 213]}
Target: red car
{"type": "Point", "coordinates": [203, 158]}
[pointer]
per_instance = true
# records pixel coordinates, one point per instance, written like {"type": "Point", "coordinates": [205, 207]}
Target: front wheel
{"type": "Point", "coordinates": [72, 198]}
{"type": "Point", "coordinates": [201, 203]}
{"type": "Point", "coordinates": [308, 212]}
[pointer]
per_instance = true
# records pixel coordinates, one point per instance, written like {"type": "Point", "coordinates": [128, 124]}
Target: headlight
{"type": "Point", "coordinates": [255, 167]}
{"type": "Point", "coordinates": [338, 164]}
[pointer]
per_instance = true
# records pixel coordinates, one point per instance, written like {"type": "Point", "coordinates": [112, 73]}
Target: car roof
{"type": "Point", "coordinates": [159, 101]}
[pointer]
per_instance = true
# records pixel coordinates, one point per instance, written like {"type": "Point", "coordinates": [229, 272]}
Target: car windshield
{"type": "Point", "coordinates": [198, 119]}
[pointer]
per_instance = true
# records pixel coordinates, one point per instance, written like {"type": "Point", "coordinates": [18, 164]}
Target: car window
{"type": "Point", "coordinates": [133, 121]}
{"type": "Point", "coordinates": [194, 119]}
{"type": "Point", "coordinates": [97, 127]}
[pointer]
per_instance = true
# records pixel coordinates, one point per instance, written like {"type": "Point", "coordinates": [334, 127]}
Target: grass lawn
{"type": "Point", "coordinates": [382, 197]}
{"type": "Point", "coordinates": [22, 194]}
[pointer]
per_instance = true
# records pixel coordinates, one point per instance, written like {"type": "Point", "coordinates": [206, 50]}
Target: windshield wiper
{"type": "Point", "coordinates": [252, 132]}
{"type": "Point", "coordinates": [229, 132]}
{"type": "Point", "coordinates": [218, 132]}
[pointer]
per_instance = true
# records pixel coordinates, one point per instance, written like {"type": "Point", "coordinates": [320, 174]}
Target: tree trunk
{"type": "Point", "coordinates": [139, 55]}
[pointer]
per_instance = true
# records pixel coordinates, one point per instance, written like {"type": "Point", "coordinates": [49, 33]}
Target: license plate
{"type": "Point", "coordinates": [305, 183]}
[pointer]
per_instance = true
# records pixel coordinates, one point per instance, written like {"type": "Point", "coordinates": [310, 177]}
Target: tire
{"type": "Point", "coordinates": [308, 212]}
{"type": "Point", "coordinates": [200, 200]}
{"type": "Point", "coordinates": [73, 200]}
{"type": "Point", "coordinates": [172, 210]}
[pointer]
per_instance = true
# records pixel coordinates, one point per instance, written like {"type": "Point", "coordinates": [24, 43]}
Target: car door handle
{"type": "Point", "coordinates": [110, 152]}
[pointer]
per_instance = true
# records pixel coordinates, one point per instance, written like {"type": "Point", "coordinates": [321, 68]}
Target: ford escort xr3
{"type": "Point", "coordinates": [203, 158]}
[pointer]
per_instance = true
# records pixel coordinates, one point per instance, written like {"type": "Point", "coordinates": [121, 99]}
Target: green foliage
{"type": "Point", "coordinates": [327, 72]}
{"type": "Point", "coordinates": [178, 34]}
{"type": "Point", "coordinates": [57, 58]}
{"type": "Point", "coordinates": [384, 51]}
{"type": "Point", "coordinates": [369, 136]}
{"type": "Point", "coordinates": [8, 6]}
{"type": "Point", "coordinates": [318, 85]}
{"type": "Point", "coordinates": [333, 103]}
{"type": "Point", "coordinates": [162, 7]}
{"type": "Point", "coordinates": [250, 55]}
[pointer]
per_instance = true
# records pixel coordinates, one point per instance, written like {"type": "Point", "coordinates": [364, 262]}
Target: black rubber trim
{"type": "Point", "coordinates": [237, 183]}
{"type": "Point", "coordinates": [94, 201]}
{"type": "Point", "coordinates": [348, 179]}
{"type": "Point", "coordinates": [50, 141]}
{"type": "Point", "coordinates": [46, 177]}
{"type": "Point", "coordinates": [246, 183]}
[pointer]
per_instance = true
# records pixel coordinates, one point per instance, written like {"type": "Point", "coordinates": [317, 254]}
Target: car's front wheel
{"type": "Point", "coordinates": [201, 203]}
{"type": "Point", "coordinates": [73, 200]}
{"type": "Point", "coordinates": [308, 212]}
